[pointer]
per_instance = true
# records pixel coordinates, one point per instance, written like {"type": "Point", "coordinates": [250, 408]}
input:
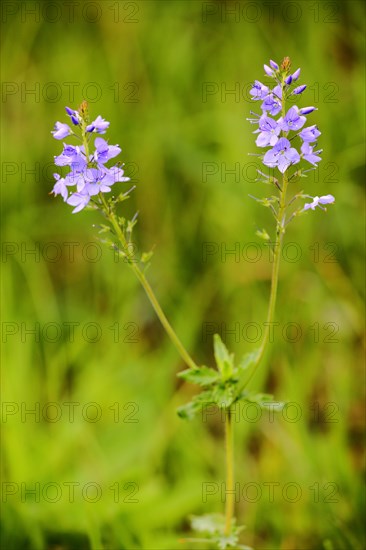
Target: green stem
{"type": "Point", "coordinates": [149, 291]}
{"type": "Point", "coordinates": [230, 496]}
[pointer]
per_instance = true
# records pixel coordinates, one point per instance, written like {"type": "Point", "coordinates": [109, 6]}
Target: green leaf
{"type": "Point", "coordinates": [224, 395]}
{"type": "Point", "coordinates": [130, 225]}
{"type": "Point", "coordinates": [102, 228]}
{"type": "Point", "coordinates": [203, 376]}
{"type": "Point", "coordinates": [224, 360]}
{"type": "Point", "coordinates": [249, 360]}
{"type": "Point", "coordinates": [198, 403]}
{"type": "Point", "coordinates": [146, 256]}
{"type": "Point", "coordinates": [262, 234]}
{"type": "Point", "coordinates": [188, 411]}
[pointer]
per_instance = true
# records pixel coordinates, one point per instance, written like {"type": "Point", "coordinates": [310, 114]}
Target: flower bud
{"type": "Point", "coordinates": [268, 70]}
{"type": "Point", "coordinates": [299, 89]}
{"type": "Point", "coordinates": [307, 110]}
{"type": "Point", "coordinates": [296, 75]}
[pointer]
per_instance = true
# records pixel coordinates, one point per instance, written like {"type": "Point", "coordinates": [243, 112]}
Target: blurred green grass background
{"type": "Point", "coordinates": [161, 72]}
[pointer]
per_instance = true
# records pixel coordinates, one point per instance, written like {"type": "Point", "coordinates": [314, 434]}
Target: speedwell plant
{"type": "Point", "coordinates": [289, 148]}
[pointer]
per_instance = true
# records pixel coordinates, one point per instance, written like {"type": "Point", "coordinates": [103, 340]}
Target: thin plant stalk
{"type": "Point", "coordinates": [150, 293]}
{"type": "Point", "coordinates": [229, 489]}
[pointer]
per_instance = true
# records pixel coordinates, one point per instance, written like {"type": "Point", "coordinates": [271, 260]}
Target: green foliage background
{"type": "Point", "coordinates": [152, 61]}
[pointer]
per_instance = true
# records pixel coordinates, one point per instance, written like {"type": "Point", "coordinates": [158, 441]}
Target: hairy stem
{"type": "Point", "coordinates": [229, 490]}
{"type": "Point", "coordinates": [149, 291]}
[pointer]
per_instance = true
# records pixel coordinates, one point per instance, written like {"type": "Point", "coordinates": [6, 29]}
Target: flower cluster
{"type": "Point", "coordinates": [280, 133]}
{"type": "Point", "coordinates": [88, 171]}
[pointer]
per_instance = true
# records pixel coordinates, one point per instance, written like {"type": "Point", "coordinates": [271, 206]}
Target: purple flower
{"type": "Point", "coordinates": [99, 125]}
{"type": "Point", "coordinates": [272, 104]}
{"type": "Point", "coordinates": [93, 181]}
{"type": "Point", "coordinates": [293, 120]}
{"type": "Point", "coordinates": [317, 201]}
{"type": "Point", "coordinates": [61, 130]}
{"type": "Point", "coordinates": [97, 181]}
{"type": "Point", "coordinates": [60, 187]}
{"type": "Point", "coordinates": [269, 130]}
{"type": "Point", "coordinates": [288, 80]}
{"type": "Point", "coordinates": [104, 152]}
{"type": "Point", "coordinates": [268, 70]}
{"type": "Point", "coordinates": [72, 156]}
{"type": "Point", "coordinates": [114, 174]}
{"type": "Point", "coordinates": [74, 115]}
{"type": "Point", "coordinates": [273, 64]}
{"type": "Point", "coordinates": [89, 174]}
{"type": "Point", "coordinates": [309, 155]}
{"type": "Point", "coordinates": [307, 110]}
{"type": "Point", "coordinates": [259, 90]}
{"type": "Point", "coordinates": [282, 155]}
{"type": "Point", "coordinates": [296, 75]}
{"type": "Point", "coordinates": [79, 200]}
{"type": "Point", "coordinates": [311, 133]}
{"type": "Point", "coordinates": [299, 89]}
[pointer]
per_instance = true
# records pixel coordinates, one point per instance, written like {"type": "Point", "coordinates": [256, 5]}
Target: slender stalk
{"type": "Point", "coordinates": [229, 492]}
{"type": "Point", "coordinates": [149, 291]}
{"type": "Point", "coordinates": [280, 229]}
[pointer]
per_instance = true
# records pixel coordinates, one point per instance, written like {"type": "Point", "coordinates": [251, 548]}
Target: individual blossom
{"type": "Point", "coordinates": [282, 155]}
{"type": "Point", "coordinates": [99, 126]}
{"type": "Point", "coordinates": [61, 130]}
{"type": "Point", "coordinates": [272, 102]}
{"type": "Point", "coordinates": [104, 152]}
{"type": "Point", "coordinates": [73, 157]}
{"type": "Point", "coordinates": [98, 181]}
{"type": "Point", "coordinates": [115, 174]}
{"type": "Point", "coordinates": [318, 201]}
{"type": "Point", "coordinates": [259, 90]}
{"type": "Point", "coordinates": [293, 120]}
{"type": "Point", "coordinates": [308, 153]}
{"type": "Point", "coordinates": [79, 200]}
{"type": "Point", "coordinates": [311, 133]}
{"type": "Point", "coordinates": [60, 187]}
{"type": "Point", "coordinates": [269, 131]}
